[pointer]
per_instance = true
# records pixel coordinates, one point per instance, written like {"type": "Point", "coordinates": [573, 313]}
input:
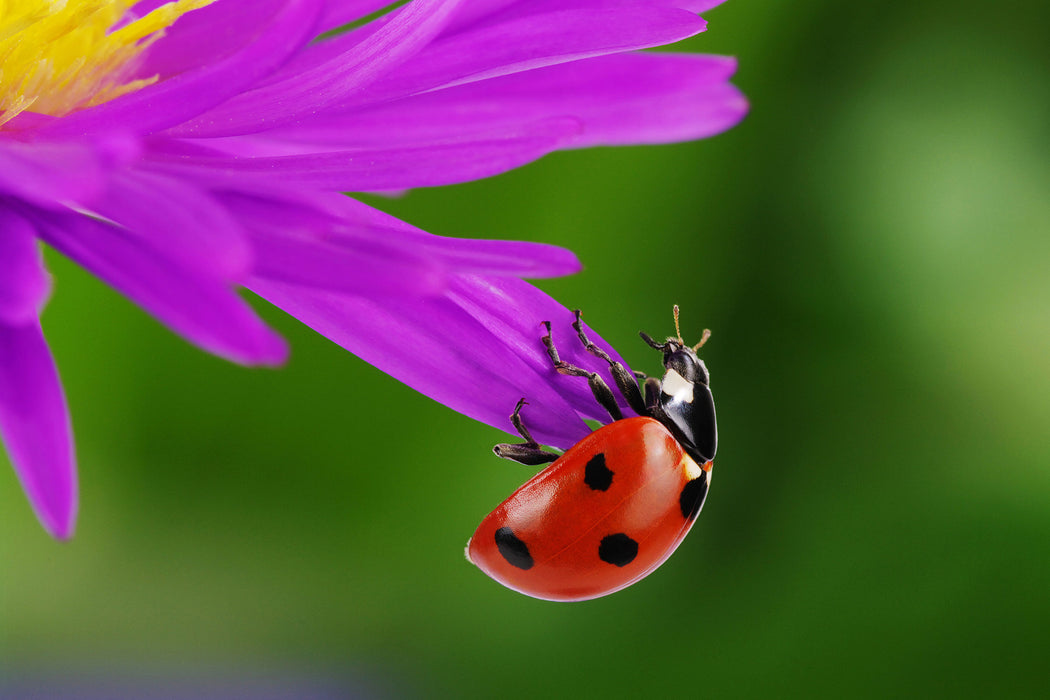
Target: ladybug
{"type": "Point", "coordinates": [616, 504]}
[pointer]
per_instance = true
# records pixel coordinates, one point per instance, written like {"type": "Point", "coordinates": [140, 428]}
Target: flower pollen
{"type": "Point", "coordinates": [58, 56]}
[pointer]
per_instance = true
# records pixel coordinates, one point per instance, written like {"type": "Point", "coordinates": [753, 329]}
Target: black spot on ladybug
{"type": "Point", "coordinates": [692, 497]}
{"type": "Point", "coordinates": [513, 550]}
{"type": "Point", "coordinates": [598, 476]}
{"type": "Point", "coordinates": [618, 549]}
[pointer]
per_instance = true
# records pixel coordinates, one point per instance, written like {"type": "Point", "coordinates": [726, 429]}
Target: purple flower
{"type": "Point", "coordinates": [181, 151]}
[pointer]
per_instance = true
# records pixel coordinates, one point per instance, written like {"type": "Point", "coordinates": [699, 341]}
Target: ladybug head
{"type": "Point", "coordinates": [685, 404]}
{"type": "Point", "coordinates": [680, 357]}
{"type": "Point", "coordinates": [682, 360]}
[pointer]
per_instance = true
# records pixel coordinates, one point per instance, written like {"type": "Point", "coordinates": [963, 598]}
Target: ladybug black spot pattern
{"type": "Point", "coordinates": [596, 474]}
{"type": "Point", "coordinates": [618, 549]}
{"type": "Point", "coordinates": [513, 549]}
{"type": "Point", "coordinates": [692, 497]}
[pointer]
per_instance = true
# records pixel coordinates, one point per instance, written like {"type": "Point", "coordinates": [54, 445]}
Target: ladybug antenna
{"type": "Point", "coordinates": [703, 339]}
{"type": "Point", "coordinates": [677, 331]}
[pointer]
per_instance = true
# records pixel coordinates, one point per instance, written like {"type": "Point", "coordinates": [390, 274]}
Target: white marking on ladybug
{"type": "Point", "coordinates": [690, 468]}
{"type": "Point", "coordinates": [676, 386]}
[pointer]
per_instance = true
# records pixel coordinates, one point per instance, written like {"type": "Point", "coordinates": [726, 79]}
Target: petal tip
{"type": "Point", "coordinates": [274, 351]}
{"type": "Point", "coordinates": [58, 520]}
{"type": "Point", "coordinates": [64, 532]}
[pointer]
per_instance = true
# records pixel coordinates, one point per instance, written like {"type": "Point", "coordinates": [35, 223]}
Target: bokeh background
{"type": "Point", "coordinates": [871, 250]}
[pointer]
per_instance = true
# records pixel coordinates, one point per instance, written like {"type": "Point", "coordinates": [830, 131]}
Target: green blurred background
{"type": "Point", "coordinates": [870, 249]}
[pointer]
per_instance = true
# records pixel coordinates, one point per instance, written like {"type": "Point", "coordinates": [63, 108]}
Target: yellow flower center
{"type": "Point", "coordinates": [58, 56]}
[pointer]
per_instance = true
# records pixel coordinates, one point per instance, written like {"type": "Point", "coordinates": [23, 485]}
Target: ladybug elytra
{"type": "Point", "coordinates": [615, 505]}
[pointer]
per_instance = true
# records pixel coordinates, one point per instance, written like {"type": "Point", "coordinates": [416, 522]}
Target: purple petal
{"type": "Point", "coordinates": [491, 11]}
{"type": "Point", "coordinates": [622, 99]}
{"type": "Point", "coordinates": [699, 5]}
{"type": "Point", "coordinates": [340, 12]}
{"type": "Point", "coordinates": [179, 221]}
{"type": "Point", "coordinates": [472, 158]}
{"type": "Point", "coordinates": [300, 244]}
{"type": "Point", "coordinates": [203, 36]}
{"type": "Point", "coordinates": [34, 424]}
{"type": "Point", "coordinates": [338, 244]}
{"type": "Point", "coordinates": [362, 269]}
{"type": "Point", "coordinates": [471, 12]}
{"type": "Point", "coordinates": [533, 42]}
{"type": "Point", "coordinates": [204, 310]}
{"type": "Point", "coordinates": [313, 89]}
{"type": "Point", "coordinates": [173, 101]}
{"type": "Point", "coordinates": [476, 349]}
{"type": "Point", "coordinates": [328, 49]}
{"type": "Point", "coordinates": [352, 224]}
{"type": "Point", "coordinates": [24, 283]}
{"type": "Point", "coordinates": [483, 257]}
{"type": "Point", "coordinates": [488, 257]}
{"type": "Point", "coordinates": [49, 174]}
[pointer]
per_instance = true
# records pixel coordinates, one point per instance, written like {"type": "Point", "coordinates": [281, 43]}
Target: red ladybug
{"type": "Point", "coordinates": [615, 505]}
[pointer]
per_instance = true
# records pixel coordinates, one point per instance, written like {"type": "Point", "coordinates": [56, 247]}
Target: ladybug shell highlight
{"type": "Point", "coordinates": [603, 515]}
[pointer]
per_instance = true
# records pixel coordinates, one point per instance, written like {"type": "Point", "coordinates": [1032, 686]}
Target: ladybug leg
{"type": "Point", "coordinates": [602, 393]}
{"type": "Point", "coordinates": [652, 394]}
{"type": "Point", "coordinates": [625, 381]}
{"type": "Point", "coordinates": [651, 384]}
{"type": "Point", "coordinates": [528, 453]}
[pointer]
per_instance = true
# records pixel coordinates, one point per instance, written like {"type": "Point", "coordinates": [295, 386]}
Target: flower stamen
{"type": "Point", "coordinates": [58, 56]}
